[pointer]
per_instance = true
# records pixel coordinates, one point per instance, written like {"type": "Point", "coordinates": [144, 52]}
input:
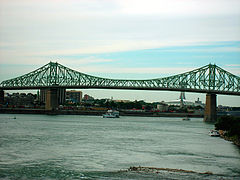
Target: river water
{"type": "Point", "coordinates": [92, 147]}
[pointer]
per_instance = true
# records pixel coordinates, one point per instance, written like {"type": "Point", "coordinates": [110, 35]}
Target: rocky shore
{"type": "Point", "coordinates": [157, 170]}
{"type": "Point", "coordinates": [234, 139]}
{"type": "Point", "coordinates": [229, 128]}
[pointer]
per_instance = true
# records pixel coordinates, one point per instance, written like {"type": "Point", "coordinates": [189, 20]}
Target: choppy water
{"type": "Point", "coordinates": [92, 147]}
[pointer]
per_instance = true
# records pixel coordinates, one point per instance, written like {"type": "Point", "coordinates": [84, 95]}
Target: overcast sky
{"type": "Point", "coordinates": [134, 39]}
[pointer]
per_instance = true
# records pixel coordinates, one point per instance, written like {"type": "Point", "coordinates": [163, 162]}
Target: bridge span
{"type": "Point", "coordinates": [209, 79]}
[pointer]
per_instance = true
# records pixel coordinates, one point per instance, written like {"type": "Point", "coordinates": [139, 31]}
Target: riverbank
{"type": "Point", "coordinates": [228, 127]}
{"type": "Point", "coordinates": [234, 139]}
{"type": "Point", "coordinates": [95, 113]}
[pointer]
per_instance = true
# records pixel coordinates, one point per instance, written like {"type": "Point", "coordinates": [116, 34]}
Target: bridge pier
{"type": "Point", "coordinates": [51, 99]}
{"type": "Point", "coordinates": [210, 114]}
{"type": "Point", "coordinates": [48, 96]}
{"type": "Point", "coordinates": [1, 96]}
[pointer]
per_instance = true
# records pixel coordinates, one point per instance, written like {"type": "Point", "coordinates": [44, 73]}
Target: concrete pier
{"type": "Point", "coordinates": [61, 95]}
{"type": "Point", "coordinates": [51, 99]}
{"type": "Point", "coordinates": [210, 114]}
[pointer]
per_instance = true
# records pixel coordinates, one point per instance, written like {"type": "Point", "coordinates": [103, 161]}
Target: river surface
{"type": "Point", "coordinates": [92, 147]}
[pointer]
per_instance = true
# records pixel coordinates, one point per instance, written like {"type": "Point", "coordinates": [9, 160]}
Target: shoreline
{"type": "Point", "coordinates": [96, 113]}
{"type": "Point", "coordinates": [157, 170]}
{"type": "Point", "coordinates": [231, 139]}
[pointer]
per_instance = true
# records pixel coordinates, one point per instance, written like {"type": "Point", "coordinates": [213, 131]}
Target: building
{"type": "Point", "coordinates": [20, 99]}
{"type": "Point", "coordinates": [87, 97]}
{"type": "Point", "coordinates": [74, 96]}
{"type": "Point", "coordinates": [162, 107]}
{"type": "Point", "coordinates": [199, 103]}
{"type": "Point", "coordinates": [181, 101]}
{"type": "Point", "coordinates": [123, 101]}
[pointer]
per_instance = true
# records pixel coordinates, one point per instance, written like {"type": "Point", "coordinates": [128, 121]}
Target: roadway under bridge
{"type": "Point", "coordinates": [54, 77]}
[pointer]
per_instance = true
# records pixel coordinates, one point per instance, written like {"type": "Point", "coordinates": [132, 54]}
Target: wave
{"type": "Point", "coordinates": [53, 171]}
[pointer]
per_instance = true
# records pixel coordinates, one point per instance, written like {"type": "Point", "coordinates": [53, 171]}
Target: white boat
{"type": "Point", "coordinates": [111, 114]}
{"type": "Point", "coordinates": [186, 119]}
{"type": "Point", "coordinates": [213, 133]}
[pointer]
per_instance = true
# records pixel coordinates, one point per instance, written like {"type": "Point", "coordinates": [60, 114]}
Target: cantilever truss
{"type": "Point", "coordinates": [207, 79]}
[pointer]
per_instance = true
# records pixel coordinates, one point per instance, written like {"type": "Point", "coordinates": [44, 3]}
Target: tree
{"type": "Point", "coordinates": [230, 124]}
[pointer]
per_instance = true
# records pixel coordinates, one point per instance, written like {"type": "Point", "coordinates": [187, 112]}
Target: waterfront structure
{"type": "Point", "coordinates": [74, 96]}
{"type": "Point", "coordinates": [121, 101]}
{"type": "Point", "coordinates": [209, 79]}
{"type": "Point", "coordinates": [162, 107]}
{"type": "Point", "coordinates": [199, 103]}
{"type": "Point", "coordinates": [88, 97]}
{"type": "Point", "coordinates": [60, 93]}
{"type": "Point", "coordinates": [42, 97]}
{"type": "Point", "coordinates": [182, 102]}
{"type": "Point", "coordinates": [20, 99]}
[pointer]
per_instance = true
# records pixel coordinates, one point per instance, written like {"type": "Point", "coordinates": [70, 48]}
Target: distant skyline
{"type": "Point", "coordinates": [124, 39]}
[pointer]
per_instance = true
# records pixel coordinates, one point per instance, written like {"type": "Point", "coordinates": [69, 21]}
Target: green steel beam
{"type": "Point", "coordinates": [207, 79]}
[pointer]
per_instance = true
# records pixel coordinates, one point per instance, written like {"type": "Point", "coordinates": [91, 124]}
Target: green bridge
{"type": "Point", "coordinates": [209, 79]}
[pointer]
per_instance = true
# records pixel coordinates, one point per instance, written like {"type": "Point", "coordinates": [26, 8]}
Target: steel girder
{"type": "Point", "coordinates": [207, 79]}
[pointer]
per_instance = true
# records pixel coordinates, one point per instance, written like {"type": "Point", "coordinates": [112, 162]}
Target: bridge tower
{"type": "Point", "coordinates": [210, 113]}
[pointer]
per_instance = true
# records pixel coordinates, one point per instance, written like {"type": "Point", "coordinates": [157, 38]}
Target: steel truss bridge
{"type": "Point", "coordinates": [207, 79]}
{"type": "Point", "coordinates": [52, 77]}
